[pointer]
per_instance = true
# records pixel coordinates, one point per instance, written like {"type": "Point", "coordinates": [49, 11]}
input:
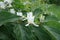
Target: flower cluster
{"type": "Point", "coordinates": [30, 17]}
{"type": "Point", "coordinates": [4, 3]}
{"type": "Point", "coordinates": [42, 18]}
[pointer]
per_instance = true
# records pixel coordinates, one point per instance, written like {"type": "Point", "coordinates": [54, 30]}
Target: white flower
{"type": "Point", "coordinates": [19, 14]}
{"type": "Point", "coordinates": [2, 5]}
{"type": "Point", "coordinates": [9, 5]}
{"type": "Point", "coordinates": [42, 18]}
{"type": "Point", "coordinates": [9, 1]}
{"type": "Point", "coordinates": [30, 19]}
{"type": "Point", "coordinates": [12, 11]}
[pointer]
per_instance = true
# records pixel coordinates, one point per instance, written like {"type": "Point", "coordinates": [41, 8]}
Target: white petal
{"type": "Point", "coordinates": [9, 1]}
{"type": "Point", "coordinates": [19, 14]}
{"type": "Point", "coordinates": [42, 18]}
{"type": "Point", "coordinates": [30, 17]}
{"type": "Point", "coordinates": [12, 11]}
{"type": "Point", "coordinates": [27, 25]}
{"type": "Point", "coordinates": [35, 25]}
{"type": "Point", "coordinates": [29, 14]}
{"type": "Point", "coordinates": [2, 5]}
{"type": "Point", "coordinates": [24, 19]}
{"type": "Point", "coordinates": [9, 5]}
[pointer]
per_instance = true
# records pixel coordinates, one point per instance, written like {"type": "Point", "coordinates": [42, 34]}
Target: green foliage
{"type": "Point", "coordinates": [13, 28]}
{"type": "Point", "coordinates": [7, 17]}
{"type": "Point", "coordinates": [57, 2]}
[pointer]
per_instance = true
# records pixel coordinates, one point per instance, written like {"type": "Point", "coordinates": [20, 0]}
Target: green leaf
{"type": "Point", "coordinates": [51, 18]}
{"type": "Point", "coordinates": [30, 33]}
{"type": "Point", "coordinates": [7, 17]}
{"type": "Point", "coordinates": [6, 32]}
{"type": "Point", "coordinates": [55, 10]}
{"type": "Point", "coordinates": [53, 27]}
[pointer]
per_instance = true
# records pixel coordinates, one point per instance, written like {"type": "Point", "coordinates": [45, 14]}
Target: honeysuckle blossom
{"type": "Point", "coordinates": [19, 13]}
{"type": "Point", "coordinates": [12, 11]}
{"type": "Point", "coordinates": [9, 5]}
{"type": "Point", "coordinates": [42, 18]}
{"type": "Point", "coordinates": [30, 19]}
{"type": "Point", "coordinates": [2, 5]}
{"type": "Point", "coordinates": [9, 2]}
